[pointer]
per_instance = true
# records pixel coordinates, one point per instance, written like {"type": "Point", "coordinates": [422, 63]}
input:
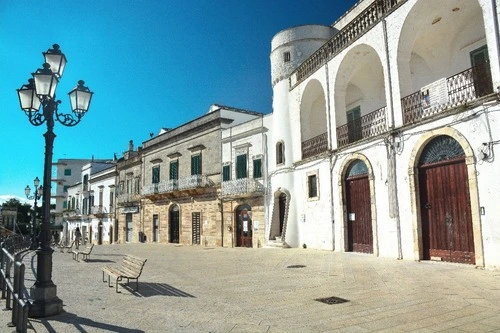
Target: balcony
{"type": "Point", "coordinates": [178, 187]}
{"type": "Point", "coordinates": [99, 211]}
{"type": "Point", "coordinates": [315, 146]}
{"type": "Point", "coordinates": [243, 187]}
{"type": "Point", "coordinates": [370, 125]}
{"type": "Point", "coordinates": [448, 93]}
{"type": "Point", "coordinates": [127, 197]}
{"type": "Point", "coordinates": [345, 37]}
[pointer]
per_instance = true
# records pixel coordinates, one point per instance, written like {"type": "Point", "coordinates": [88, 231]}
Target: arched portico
{"type": "Point", "coordinates": [313, 119]}
{"type": "Point", "coordinates": [360, 100]}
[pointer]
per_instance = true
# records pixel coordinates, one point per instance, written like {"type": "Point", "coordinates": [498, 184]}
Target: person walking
{"type": "Point", "coordinates": [78, 236]}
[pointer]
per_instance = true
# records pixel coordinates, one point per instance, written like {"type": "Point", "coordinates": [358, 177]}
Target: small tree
{"type": "Point", "coordinates": [24, 214]}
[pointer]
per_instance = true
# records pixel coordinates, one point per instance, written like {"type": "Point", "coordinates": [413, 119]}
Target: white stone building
{"type": "Point", "coordinates": [89, 204]}
{"type": "Point", "coordinates": [244, 175]}
{"type": "Point", "coordinates": [385, 129]}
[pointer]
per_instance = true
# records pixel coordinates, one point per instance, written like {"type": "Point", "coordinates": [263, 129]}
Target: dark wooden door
{"type": "Point", "coordinates": [244, 229]}
{"type": "Point", "coordinates": [196, 225]}
{"type": "Point", "coordinates": [173, 227]}
{"type": "Point", "coordinates": [447, 233]}
{"type": "Point", "coordinates": [282, 207]}
{"type": "Point", "coordinates": [359, 216]}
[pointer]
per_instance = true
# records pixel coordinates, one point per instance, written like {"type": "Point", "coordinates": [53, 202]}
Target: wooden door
{"type": "Point", "coordinates": [282, 209]}
{"type": "Point", "coordinates": [196, 225]}
{"type": "Point", "coordinates": [358, 205]}
{"type": "Point", "coordinates": [244, 228]}
{"type": "Point", "coordinates": [447, 233]}
{"type": "Point", "coordinates": [155, 227]}
{"type": "Point", "coordinates": [99, 233]}
{"type": "Point", "coordinates": [173, 226]}
{"type": "Point", "coordinates": [129, 226]}
{"type": "Point", "coordinates": [359, 220]}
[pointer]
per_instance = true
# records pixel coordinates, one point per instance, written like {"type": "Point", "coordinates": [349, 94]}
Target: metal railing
{"type": "Point", "coordinates": [461, 88]}
{"type": "Point", "coordinates": [372, 124]}
{"type": "Point", "coordinates": [127, 197]}
{"type": "Point", "coordinates": [184, 183]}
{"type": "Point", "coordinates": [241, 186]}
{"type": "Point", "coordinates": [13, 288]}
{"type": "Point", "coordinates": [351, 32]}
{"type": "Point", "coordinates": [315, 146]}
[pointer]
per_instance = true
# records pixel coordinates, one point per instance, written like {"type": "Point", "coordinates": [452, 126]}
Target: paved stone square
{"type": "Point", "coordinates": [196, 289]}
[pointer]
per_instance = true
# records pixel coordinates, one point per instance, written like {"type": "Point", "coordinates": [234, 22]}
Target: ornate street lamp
{"type": "Point", "coordinates": [41, 91]}
{"type": "Point", "coordinates": [36, 196]}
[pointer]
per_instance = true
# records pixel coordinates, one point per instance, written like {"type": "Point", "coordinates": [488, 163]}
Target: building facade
{"type": "Point", "coordinates": [242, 192]}
{"type": "Point", "coordinates": [180, 181]}
{"type": "Point", "coordinates": [397, 115]}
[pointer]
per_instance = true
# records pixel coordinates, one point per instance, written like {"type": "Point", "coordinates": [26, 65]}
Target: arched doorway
{"type": "Point", "coordinates": [173, 224]}
{"type": "Point", "coordinates": [244, 226]}
{"type": "Point", "coordinates": [282, 210]}
{"type": "Point", "coordinates": [280, 214]}
{"type": "Point", "coordinates": [111, 234]}
{"type": "Point", "coordinates": [99, 233]}
{"type": "Point", "coordinates": [445, 210]}
{"type": "Point", "coordinates": [358, 208]}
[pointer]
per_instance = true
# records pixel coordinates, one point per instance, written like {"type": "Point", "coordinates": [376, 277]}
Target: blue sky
{"type": "Point", "coordinates": [151, 64]}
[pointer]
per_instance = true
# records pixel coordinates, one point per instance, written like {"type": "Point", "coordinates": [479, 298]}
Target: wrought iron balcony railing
{"type": "Point", "coordinates": [173, 185]}
{"type": "Point", "coordinates": [315, 146]}
{"type": "Point", "coordinates": [98, 210]}
{"type": "Point", "coordinates": [458, 89]}
{"type": "Point", "coordinates": [241, 187]}
{"type": "Point", "coordinates": [352, 31]}
{"type": "Point", "coordinates": [372, 124]}
{"type": "Point", "coordinates": [127, 197]}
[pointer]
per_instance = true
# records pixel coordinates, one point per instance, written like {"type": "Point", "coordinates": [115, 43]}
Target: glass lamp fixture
{"type": "Point", "coordinates": [80, 98]}
{"type": "Point", "coordinates": [56, 59]}
{"type": "Point", "coordinates": [27, 97]}
{"type": "Point", "coordinates": [45, 82]}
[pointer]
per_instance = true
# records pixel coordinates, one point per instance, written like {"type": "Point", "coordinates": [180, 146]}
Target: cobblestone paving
{"type": "Point", "coordinates": [195, 289]}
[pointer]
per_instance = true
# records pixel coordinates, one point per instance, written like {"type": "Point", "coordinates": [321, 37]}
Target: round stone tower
{"type": "Point", "coordinates": [290, 47]}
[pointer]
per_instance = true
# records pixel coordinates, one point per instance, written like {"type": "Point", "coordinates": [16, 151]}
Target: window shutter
{"type": "Point", "coordinates": [156, 175]}
{"type": "Point", "coordinates": [241, 166]}
{"type": "Point", "coordinates": [257, 171]}
{"type": "Point", "coordinates": [196, 165]}
{"type": "Point", "coordinates": [174, 170]}
{"type": "Point", "coordinates": [226, 172]}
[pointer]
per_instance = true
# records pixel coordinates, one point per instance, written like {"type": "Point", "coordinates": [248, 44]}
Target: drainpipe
{"type": "Point", "coordinates": [394, 210]}
{"type": "Point", "coordinates": [330, 140]}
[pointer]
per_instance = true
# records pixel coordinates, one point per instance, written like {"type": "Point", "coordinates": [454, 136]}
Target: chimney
{"type": "Point", "coordinates": [131, 145]}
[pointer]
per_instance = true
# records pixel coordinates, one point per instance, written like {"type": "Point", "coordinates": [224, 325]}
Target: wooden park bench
{"type": "Point", "coordinates": [130, 268]}
{"type": "Point", "coordinates": [85, 253]}
{"type": "Point", "coordinates": [67, 247]}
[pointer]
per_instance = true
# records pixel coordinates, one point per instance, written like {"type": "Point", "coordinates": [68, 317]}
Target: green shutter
{"type": "Point", "coordinates": [156, 175]}
{"type": "Point", "coordinates": [241, 166]}
{"type": "Point", "coordinates": [196, 165]}
{"type": "Point", "coordinates": [226, 173]}
{"type": "Point", "coordinates": [257, 168]}
{"type": "Point", "coordinates": [174, 170]}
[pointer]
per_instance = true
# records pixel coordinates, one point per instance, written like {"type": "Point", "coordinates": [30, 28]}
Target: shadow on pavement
{"type": "Point", "coordinates": [148, 289]}
{"type": "Point", "coordinates": [80, 324]}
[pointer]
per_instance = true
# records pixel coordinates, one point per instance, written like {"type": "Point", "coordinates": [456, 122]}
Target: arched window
{"type": "Point", "coordinates": [280, 153]}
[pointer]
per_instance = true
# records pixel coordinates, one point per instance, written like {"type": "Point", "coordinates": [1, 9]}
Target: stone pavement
{"type": "Point", "coordinates": [195, 289]}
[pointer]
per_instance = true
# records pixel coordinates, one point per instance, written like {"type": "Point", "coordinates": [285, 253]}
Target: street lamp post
{"type": "Point", "coordinates": [36, 196]}
{"type": "Point", "coordinates": [40, 91]}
